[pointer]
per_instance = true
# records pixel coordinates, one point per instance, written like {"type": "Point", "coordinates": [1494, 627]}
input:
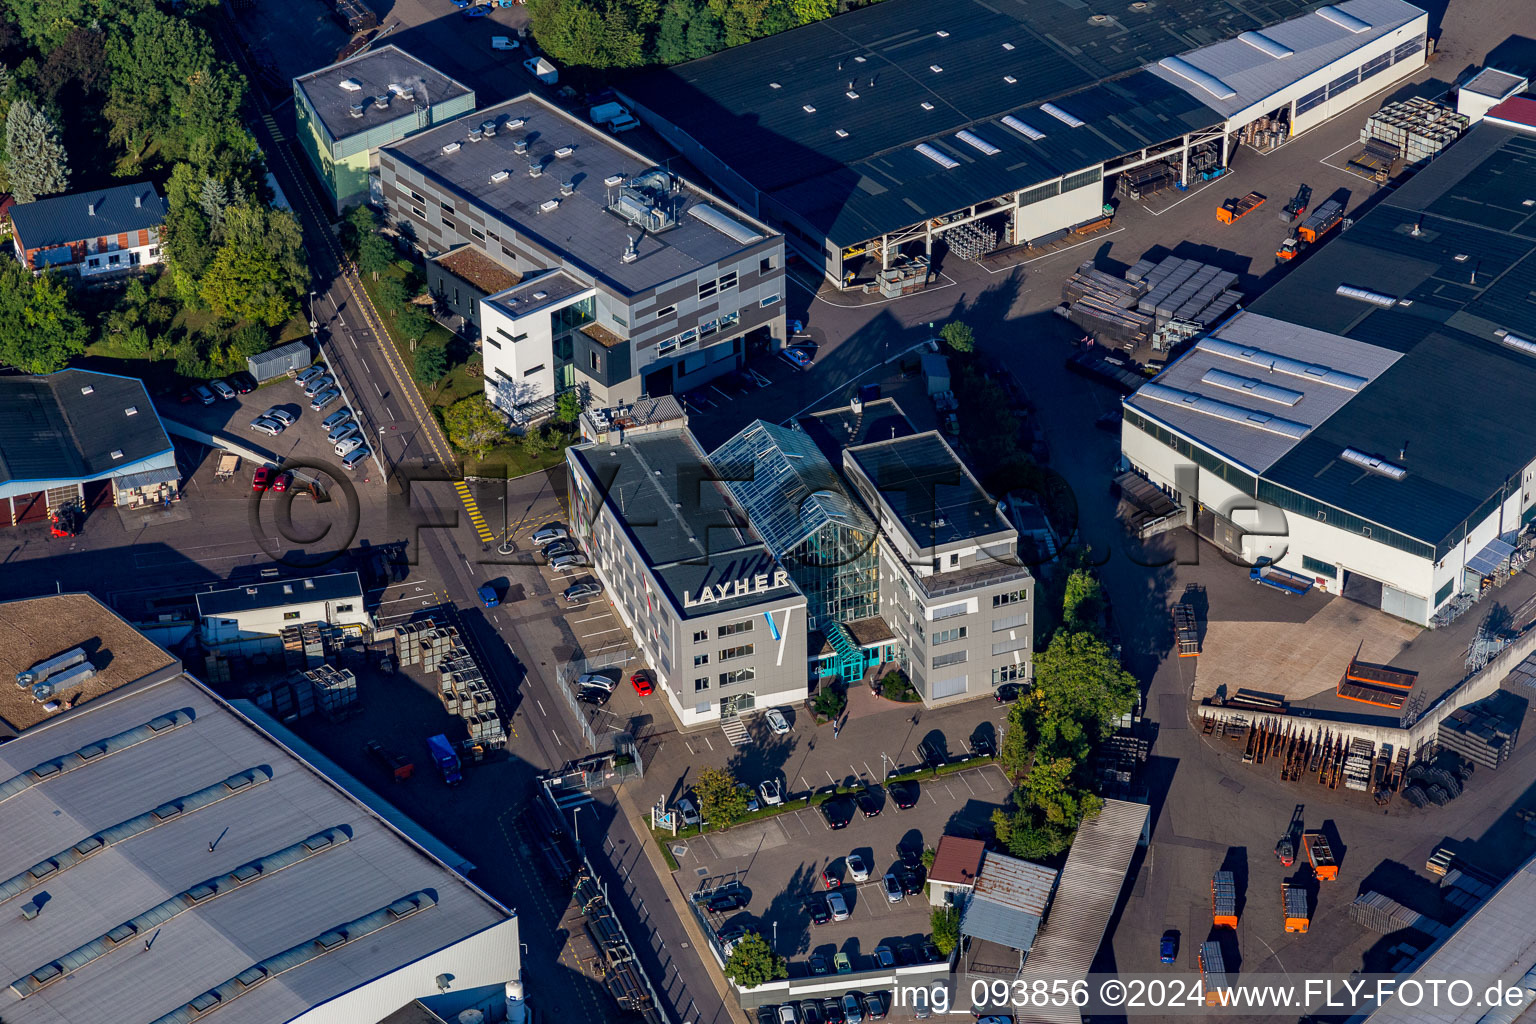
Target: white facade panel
{"type": "Point", "coordinates": [266, 623]}
{"type": "Point", "coordinates": [1335, 105]}
{"type": "Point", "coordinates": [1059, 212]}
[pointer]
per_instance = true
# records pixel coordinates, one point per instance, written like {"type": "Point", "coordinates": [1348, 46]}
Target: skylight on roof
{"type": "Point", "coordinates": [934, 68]}
{"type": "Point", "coordinates": [1261, 42]}
{"type": "Point", "coordinates": [1348, 22]}
{"type": "Point", "coordinates": [842, 134]}
{"type": "Point", "coordinates": [774, 85]}
{"type": "Point", "coordinates": [1061, 115]}
{"type": "Point", "coordinates": [949, 163]}
{"type": "Point", "coordinates": [1373, 464]}
{"type": "Point", "coordinates": [1194, 76]}
{"type": "Point", "coordinates": [1010, 79]}
{"type": "Point", "coordinates": [1007, 46]}
{"type": "Point", "coordinates": [976, 142]}
{"type": "Point", "coordinates": [942, 34]}
{"type": "Point", "coordinates": [1523, 344]}
{"type": "Point", "coordinates": [927, 105]}
{"type": "Point", "coordinates": [808, 109]}
{"type": "Point", "coordinates": [1022, 128]}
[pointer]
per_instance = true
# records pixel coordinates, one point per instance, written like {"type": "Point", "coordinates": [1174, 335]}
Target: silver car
{"type": "Point", "coordinates": [345, 430]}
{"type": "Point", "coordinates": [348, 446]}
{"type": "Point", "coordinates": [358, 455]}
{"type": "Point", "coordinates": [572, 561]}
{"type": "Point", "coordinates": [279, 414]}
{"type": "Point", "coordinates": [319, 384]}
{"type": "Point", "coordinates": [222, 389]}
{"type": "Point", "coordinates": [336, 418]}
{"type": "Point", "coordinates": [311, 373]}
{"type": "Point", "coordinates": [262, 425]}
{"type": "Point", "coordinates": [550, 534]}
{"type": "Point", "coordinates": [324, 399]}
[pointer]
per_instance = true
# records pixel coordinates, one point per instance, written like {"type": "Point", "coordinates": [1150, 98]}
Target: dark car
{"type": "Point", "coordinates": [816, 906]}
{"type": "Point", "coordinates": [819, 964]}
{"type": "Point", "coordinates": [1168, 949]}
{"type": "Point", "coordinates": [810, 1011]}
{"type": "Point", "coordinates": [767, 1015]}
{"type": "Point", "coordinates": [932, 955]}
{"type": "Point", "coordinates": [1008, 692]}
{"type": "Point", "coordinates": [906, 955]}
{"type": "Point", "coordinates": [911, 883]}
{"type": "Point", "coordinates": [981, 746]}
{"type": "Point", "coordinates": [832, 1009]}
{"type": "Point", "coordinates": [594, 695]}
{"type": "Point", "coordinates": [242, 382]}
{"type": "Point", "coordinates": [730, 899]}
{"type": "Point", "coordinates": [837, 812]}
{"type": "Point", "coordinates": [874, 1006]}
{"type": "Point", "coordinates": [905, 794]}
{"type": "Point", "coordinates": [868, 803]}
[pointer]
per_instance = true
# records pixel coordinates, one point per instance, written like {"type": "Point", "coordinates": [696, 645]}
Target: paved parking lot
{"type": "Point", "coordinates": [780, 861]}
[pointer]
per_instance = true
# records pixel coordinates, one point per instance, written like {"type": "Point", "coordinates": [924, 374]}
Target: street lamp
{"type": "Point", "coordinates": [506, 539]}
{"type": "Point", "coordinates": [576, 826]}
{"type": "Point", "coordinates": [314, 324]}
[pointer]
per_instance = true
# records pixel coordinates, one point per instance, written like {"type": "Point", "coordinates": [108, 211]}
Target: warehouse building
{"type": "Point", "coordinates": [1365, 421]}
{"type": "Point", "coordinates": [251, 618]}
{"type": "Point", "coordinates": [629, 280]}
{"type": "Point", "coordinates": [718, 619]}
{"type": "Point", "coordinates": [166, 860]}
{"type": "Point", "coordinates": [874, 136]}
{"type": "Point", "coordinates": [346, 111]}
{"type": "Point", "coordinates": [76, 436]}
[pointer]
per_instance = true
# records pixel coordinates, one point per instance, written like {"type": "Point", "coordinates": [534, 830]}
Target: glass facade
{"type": "Point", "coordinates": [563, 324]}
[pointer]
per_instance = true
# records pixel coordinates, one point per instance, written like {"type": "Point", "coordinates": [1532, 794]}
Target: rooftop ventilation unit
{"type": "Point", "coordinates": [1194, 76]}
{"type": "Point", "coordinates": [774, 85]}
{"type": "Point", "coordinates": [1349, 291]}
{"type": "Point", "coordinates": [43, 669]}
{"type": "Point", "coordinates": [396, 89]}
{"type": "Point", "coordinates": [1061, 115]}
{"type": "Point", "coordinates": [535, 169]}
{"type": "Point", "coordinates": [1261, 42]}
{"type": "Point", "coordinates": [452, 147]}
{"type": "Point", "coordinates": [540, 296]}
{"type": "Point", "coordinates": [947, 162]}
{"type": "Point", "coordinates": [117, 453]}
{"type": "Point", "coordinates": [613, 179]}
{"type": "Point", "coordinates": [1010, 80]}
{"type": "Point", "coordinates": [564, 151]}
{"type": "Point", "coordinates": [1372, 464]}
{"type": "Point", "coordinates": [499, 177]}
{"type": "Point", "coordinates": [860, 60]}
{"type": "Point", "coordinates": [88, 389]}
{"type": "Point", "coordinates": [977, 142]}
{"type": "Point", "coordinates": [808, 108]}
{"type": "Point", "coordinates": [489, 128]}
{"type": "Point", "coordinates": [520, 147]}
{"type": "Point", "coordinates": [927, 105]}
{"type": "Point", "coordinates": [475, 135]}
{"type": "Point", "coordinates": [935, 68]}
{"type": "Point", "coordinates": [358, 109]}
{"type": "Point", "coordinates": [1348, 22]}
{"type": "Point", "coordinates": [851, 94]}
{"type": "Point", "coordinates": [842, 134]}
{"type": "Point", "coordinates": [516, 122]}
{"type": "Point", "coordinates": [1022, 128]}
{"type": "Point", "coordinates": [382, 102]}
{"type": "Point", "coordinates": [132, 410]}
{"type": "Point", "coordinates": [1523, 344]}
{"type": "Point", "coordinates": [351, 85]}
{"type": "Point", "coordinates": [567, 188]}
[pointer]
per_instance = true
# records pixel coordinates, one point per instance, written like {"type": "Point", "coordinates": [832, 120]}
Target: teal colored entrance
{"type": "Point", "coordinates": [848, 661]}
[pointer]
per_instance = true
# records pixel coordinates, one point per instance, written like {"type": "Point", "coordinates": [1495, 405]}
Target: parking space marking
{"type": "Point", "coordinates": [612, 629]}
{"type": "Point", "coordinates": [722, 394]}
{"type": "Point", "coordinates": [962, 778]}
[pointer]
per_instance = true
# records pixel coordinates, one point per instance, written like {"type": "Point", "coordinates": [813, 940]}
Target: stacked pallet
{"type": "Point", "coordinates": [1293, 905]}
{"type": "Point", "coordinates": [1357, 765]}
{"type": "Point", "coordinates": [1186, 633]}
{"type": "Point", "coordinates": [1223, 900]}
{"type": "Point", "coordinates": [408, 641]}
{"type": "Point", "coordinates": [1462, 891]}
{"type": "Point", "coordinates": [1105, 306]}
{"type": "Point", "coordinates": [1418, 127]}
{"type": "Point", "coordinates": [1385, 915]}
{"type": "Point", "coordinates": [466, 693]}
{"type": "Point", "coordinates": [334, 689]}
{"type": "Point", "coordinates": [304, 645]}
{"type": "Point", "coordinates": [1479, 733]}
{"type": "Point", "coordinates": [1187, 290]}
{"type": "Point", "coordinates": [1378, 685]}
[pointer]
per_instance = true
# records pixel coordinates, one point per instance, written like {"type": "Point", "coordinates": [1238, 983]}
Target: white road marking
{"type": "Point", "coordinates": [541, 707]}
{"type": "Point", "coordinates": [376, 388]}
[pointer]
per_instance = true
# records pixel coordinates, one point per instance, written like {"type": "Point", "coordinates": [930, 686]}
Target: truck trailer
{"type": "Point", "coordinates": [1293, 905]}
{"type": "Point", "coordinates": [1223, 900]}
{"type": "Point", "coordinates": [1270, 575]}
{"type": "Point", "coordinates": [1323, 220]}
{"type": "Point", "coordinates": [1320, 856]}
{"type": "Point", "coordinates": [446, 759]}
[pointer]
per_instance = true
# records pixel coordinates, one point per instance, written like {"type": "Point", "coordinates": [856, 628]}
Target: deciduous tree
{"type": "Point", "coordinates": [431, 363]}
{"type": "Point", "coordinates": [958, 336]}
{"type": "Point", "coordinates": [474, 427]}
{"type": "Point", "coordinates": [944, 923]}
{"type": "Point", "coordinates": [720, 802]}
{"type": "Point", "coordinates": [753, 962]}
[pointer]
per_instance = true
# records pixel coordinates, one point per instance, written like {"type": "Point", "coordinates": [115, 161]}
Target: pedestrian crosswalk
{"type": "Point", "coordinates": [475, 518]}
{"type": "Point", "coordinates": [271, 123]}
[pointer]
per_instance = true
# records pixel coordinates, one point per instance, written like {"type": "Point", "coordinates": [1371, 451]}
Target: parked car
{"type": "Point", "coordinates": [892, 886]}
{"type": "Point", "coordinates": [319, 384]}
{"type": "Point", "coordinates": [488, 596]}
{"type": "Point", "coordinates": [1168, 948]}
{"type": "Point", "coordinates": [838, 904]}
{"type": "Point", "coordinates": [921, 1002]}
{"type": "Point", "coordinates": [818, 965]}
{"type": "Point", "coordinates": [816, 907]}
{"type": "Point", "coordinates": [1008, 693]}
{"type": "Point", "coordinates": [904, 793]}
{"type": "Point", "coordinates": [348, 446]}
{"type": "Point", "coordinates": [242, 382]}
{"type": "Point", "coordinates": [478, 11]}
{"type": "Point", "coordinates": [568, 562]}
{"type": "Point", "coordinates": [558, 548]}
{"type": "Point", "coordinates": [868, 804]}
{"type": "Point", "coordinates": [593, 695]}
{"type": "Point", "coordinates": [832, 1009]}
{"type": "Point", "coordinates": [280, 415]}
{"type": "Point", "coordinates": [906, 955]}
{"type": "Point", "coordinates": [282, 482]}
{"type": "Point", "coordinates": [203, 394]}
{"type": "Point", "coordinates": [810, 1011]}
{"type": "Point", "coordinates": [857, 868]}
{"type": "Point", "coordinates": [345, 430]}
{"type": "Point", "coordinates": [841, 964]}
{"type": "Point", "coordinates": [336, 418]}
{"type": "Point", "coordinates": [752, 804]}
{"type": "Point", "coordinates": [642, 683]}
{"type": "Point", "coordinates": [911, 883]}
{"type": "Point", "coordinates": [789, 1014]}
{"type": "Point", "coordinates": [765, 1014]}
{"type": "Point", "coordinates": [837, 812]}
{"type": "Point", "coordinates": [932, 955]}
{"type": "Point", "coordinates": [730, 899]}
{"type": "Point", "coordinates": [799, 358]}
{"type": "Point", "coordinates": [504, 43]}
{"type": "Point", "coordinates": [262, 478]}
{"type": "Point", "coordinates": [357, 456]}
{"type": "Point", "coordinates": [853, 1009]}
{"type": "Point", "coordinates": [687, 811]}
{"type": "Point", "coordinates": [549, 534]}
{"type": "Point", "coordinates": [596, 679]}
{"type": "Point", "coordinates": [262, 425]}
{"type": "Point", "coordinates": [885, 956]}
{"type": "Point", "coordinates": [773, 793]}
{"type": "Point", "coordinates": [874, 1006]}
{"type": "Point", "coordinates": [222, 389]}
{"type": "Point", "coordinates": [830, 877]}
{"type": "Point", "coordinates": [581, 591]}
{"type": "Point", "coordinates": [777, 723]}
{"type": "Point", "coordinates": [324, 399]}
{"type": "Point", "coordinates": [309, 373]}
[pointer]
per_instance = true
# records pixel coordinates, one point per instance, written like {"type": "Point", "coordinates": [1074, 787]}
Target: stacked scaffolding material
{"type": "Point", "coordinates": [1385, 915]}
{"type": "Point", "coordinates": [1479, 733]}
{"type": "Point", "coordinates": [1357, 765]}
{"type": "Point", "coordinates": [971, 241]}
{"type": "Point", "coordinates": [306, 644]}
{"type": "Point", "coordinates": [1188, 290]}
{"type": "Point", "coordinates": [1223, 900]}
{"type": "Point", "coordinates": [1377, 685]}
{"type": "Point", "coordinates": [1462, 891]}
{"type": "Point", "coordinates": [1104, 306]}
{"type": "Point", "coordinates": [334, 689]}
{"type": "Point", "coordinates": [1293, 904]}
{"type": "Point", "coordinates": [1320, 855]}
{"type": "Point", "coordinates": [1419, 128]}
{"type": "Point", "coordinates": [1214, 970]}
{"type": "Point", "coordinates": [1186, 633]}
{"type": "Point", "coordinates": [355, 15]}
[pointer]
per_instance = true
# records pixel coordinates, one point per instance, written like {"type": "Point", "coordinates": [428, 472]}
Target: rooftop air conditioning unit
{"type": "Point", "coordinates": [535, 169]}
{"type": "Point", "coordinates": [357, 109]}
{"type": "Point", "coordinates": [475, 135]}
{"type": "Point", "coordinates": [452, 147]}
{"type": "Point", "coordinates": [499, 177]}
{"type": "Point", "coordinates": [567, 188]}
{"type": "Point", "coordinates": [613, 179]}
{"type": "Point", "coordinates": [516, 122]}
{"type": "Point", "coordinates": [351, 85]}
{"type": "Point", "coordinates": [564, 151]}
{"type": "Point", "coordinates": [382, 102]}
{"type": "Point", "coordinates": [520, 146]}
{"type": "Point", "coordinates": [489, 128]}
{"type": "Point", "coordinates": [549, 205]}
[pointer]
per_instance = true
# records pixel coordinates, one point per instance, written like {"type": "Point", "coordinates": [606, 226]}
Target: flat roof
{"type": "Point", "coordinates": [839, 428]}
{"type": "Point", "coordinates": [923, 70]}
{"type": "Point", "coordinates": [922, 483]}
{"type": "Point", "coordinates": [68, 425]}
{"type": "Point", "coordinates": [581, 228]}
{"type": "Point", "coordinates": [543, 291]}
{"type": "Point", "coordinates": [295, 859]}
{"type": "Point", "coordinates": [373, 73]}
{"type": "Point", "coordinates": [1447, 264]}
{"type": "Point", "coordinates": [478, 269]}
{"type": "Point", "coordinates": [1255, 387]}
{"type": "Point", "coordinates": [1250, 68]}
{"type": "Point", "coordinates": [1495, 83]}
{"type": "Point", "coordinates": [681, 519]}
{"type": "Point", "coordinates": [37, 629]}
{"type": "Point", "coordinates": [279, 594]}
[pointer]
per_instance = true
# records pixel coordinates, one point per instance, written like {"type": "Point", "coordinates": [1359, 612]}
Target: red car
{"type": "Point", "coordinates": [641, 681]}
{"type": "Point", "coordinates": [262, 480]}
{"type": "Point", "coordinates": [282, 482]}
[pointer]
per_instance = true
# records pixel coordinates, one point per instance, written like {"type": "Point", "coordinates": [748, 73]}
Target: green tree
{"type": "Point", "coordinates": [568, 406]}
{"type": "Point", "coordinates": [249, 340]}
{"type": "Point", "coordinates": [430, 363]}
{"type": "Point", "coordinates": [391, 295]}
{"type": "Point", "coordinates": [894, 686]}
{"type": "Point", "coordinates": [1079, 690]}
{"type": "Point", "coordinates": [1032, 840]}
{"type": "Point", "coordinates": [259, 270]}
{"type": "Point", "coordinates": [944, 923]}
{"type": "Point", "coordinates": [720, 802]}
{"type": "Point", "coordinates": [753, 962]}
{"type": "Point", "coordinates": [474, 426]}
{"type": "Point", "coordinates": [357, 224]}
{"type": "Point", "coordinates": [1017, 751]}
{"type": "Point", "coordinates": [533, 442]}
{"type": "Point", "coordinates": [51, 331]}
{"type": "Point", "coordinates": [1082, 606]}
{"type": "Point", "coordinates": [958, 336]}
{"type": "Point", "coordinates": [413, 322]}
{"type": "Point", "coordinates": [929, 856]}
{"type": "Point", "coordinates": [35, 157]}
{"type": "Point", "coordinates": [580, 33]}
{"type": "Point", "coordinates": [374, 254]}
{"type": "Point", "coordinates": [829, 702]}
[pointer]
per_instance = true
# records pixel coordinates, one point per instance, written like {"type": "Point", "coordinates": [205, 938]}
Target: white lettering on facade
{"type": "Point", "coordinates": [746, 586]}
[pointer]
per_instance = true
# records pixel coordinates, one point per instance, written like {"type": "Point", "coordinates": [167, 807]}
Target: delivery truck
{"type": "Point", "coordinates": [446, 759]}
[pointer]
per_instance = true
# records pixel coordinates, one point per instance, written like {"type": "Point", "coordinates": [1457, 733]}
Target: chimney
{"type": "Point", "coordinates": [91, 209]}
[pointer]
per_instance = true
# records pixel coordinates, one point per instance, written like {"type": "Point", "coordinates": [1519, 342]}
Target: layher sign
{"type": "Point", "coordinates": [743, 587]}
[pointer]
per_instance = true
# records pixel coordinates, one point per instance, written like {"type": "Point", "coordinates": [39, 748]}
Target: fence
{"type": "Point", "coordinates": [565, 685]}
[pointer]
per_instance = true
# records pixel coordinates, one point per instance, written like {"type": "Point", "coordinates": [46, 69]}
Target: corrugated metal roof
{"type": "Point", "coordinates": [66, 425]}
{"type": "Point", "coordinates": [1235, 74]}
{"type": "Point", "coordinates": [1008, 901]}
{"type": "Point", "coordinates": [228, 930]}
